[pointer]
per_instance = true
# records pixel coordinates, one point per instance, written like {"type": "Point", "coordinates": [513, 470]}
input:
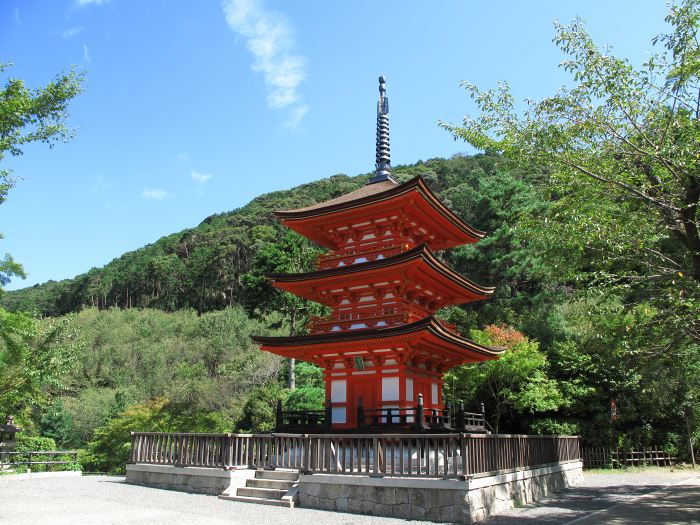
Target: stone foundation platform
{"type": "Point", "coordinates": [468, 501]}
{"type": "Point", "coordinates": [197, 480]}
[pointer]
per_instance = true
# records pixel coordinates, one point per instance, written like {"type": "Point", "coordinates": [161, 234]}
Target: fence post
{"type": "Point", "coordinates": [460, 415]}
{"type": "Point", "coordinates": [278, 415]}
{"type": "Point", "coordinates": [463, 452]}
{"type": "Point", "coordinates": [133, 448]}
{"type": "Point", "coordinates": [420, 419]}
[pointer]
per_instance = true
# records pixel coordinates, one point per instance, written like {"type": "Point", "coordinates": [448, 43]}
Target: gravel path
{"type": "Point", "coordinates": [103, 500]}
{"type": "Point", "coordinates": [598, 491]}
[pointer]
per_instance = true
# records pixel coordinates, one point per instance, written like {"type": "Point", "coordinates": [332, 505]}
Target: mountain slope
{"type": "Point", "coordinates": [201, 267]}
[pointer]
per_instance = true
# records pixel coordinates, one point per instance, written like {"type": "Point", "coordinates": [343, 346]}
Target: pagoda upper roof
{"type": "Point", "coordinates": [374, 199]}
{"type": "Point", "coordinates": [432, 270]}
{"type": "Point", "coordinates": [427, 336]}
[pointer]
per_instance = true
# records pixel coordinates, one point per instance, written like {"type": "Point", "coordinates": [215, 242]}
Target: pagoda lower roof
{"type": "Point", "coordinates": [430, 272]}
{"type": "Point", "coordinates": [374, 200]}
{"type": "Point", "coordinates": [427, 336]}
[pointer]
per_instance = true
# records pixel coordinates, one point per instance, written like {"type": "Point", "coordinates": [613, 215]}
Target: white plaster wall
{"type": "Point", "coordinates": [338, 391]}
{"type": "Point", "coordinates": [338, 415]}
{"type": "Point", "coordinates": [390, 388]}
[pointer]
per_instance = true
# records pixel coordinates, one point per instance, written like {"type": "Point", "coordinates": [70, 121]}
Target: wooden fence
{"type": "Point", "coordinates": [36, 457]}
{"type": "Point", "coordinates": [601, 457]}
{"type": "Point", "coordinates": [413, 455]}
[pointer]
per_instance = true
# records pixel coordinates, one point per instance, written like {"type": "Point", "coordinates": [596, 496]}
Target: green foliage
{"type": "Point", "coordinates": [620, 149]}
{"type": "Point", "coordinates": [517, 382]}
{"type": "Point", "coordinates": [33, 359]}
{"type": "Point", "coordinates": [29, 443]}
{"type": "Point", "coordinates": [306, 398]}
{"type": "Point", "coordinates": [259, 410]}
{"type": "Point", "coordinates": [550, 426]}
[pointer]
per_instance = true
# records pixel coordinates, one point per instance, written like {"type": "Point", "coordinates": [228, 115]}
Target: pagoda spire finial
{"type": "Point", "coordinates": [383, 161]}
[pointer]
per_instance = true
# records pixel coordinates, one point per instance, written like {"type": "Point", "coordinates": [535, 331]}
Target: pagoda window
{"type": "Point", "coordinates": [434, 393]}
{"type": "Point", "coordinates": [360, 260]}
{"type": "Point", "coordinates": [409, 389]}
{"type": "Point", "coordinates": [358, 325]}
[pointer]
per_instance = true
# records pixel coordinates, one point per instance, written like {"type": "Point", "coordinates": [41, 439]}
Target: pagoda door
{"type": "Point", "coordinates": [365, 389]}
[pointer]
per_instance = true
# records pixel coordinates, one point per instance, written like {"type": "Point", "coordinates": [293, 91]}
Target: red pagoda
{"type": "Point", "coordinates": [382, 350]}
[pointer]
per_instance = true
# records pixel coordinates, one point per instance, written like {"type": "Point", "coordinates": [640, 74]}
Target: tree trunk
{"type": "Point", "coordinates": [690, 437]}
{"type": "Point", "coordinates": [291, 382]}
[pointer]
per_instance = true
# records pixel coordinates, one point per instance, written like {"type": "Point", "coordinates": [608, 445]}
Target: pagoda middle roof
{"type": "Point", "coordinates": [373, 199]}
{"type": "Point", "coordinates": [428, 333]}
{"type": "Point", "coordinates": [433, 271]}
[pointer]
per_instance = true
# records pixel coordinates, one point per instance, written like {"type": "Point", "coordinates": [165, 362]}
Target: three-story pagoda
{"type": "Point", "coordinates": [381, 348]}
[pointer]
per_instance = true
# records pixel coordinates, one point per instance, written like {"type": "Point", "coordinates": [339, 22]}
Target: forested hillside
{"type": "Point", "coordinates": [202, 267]}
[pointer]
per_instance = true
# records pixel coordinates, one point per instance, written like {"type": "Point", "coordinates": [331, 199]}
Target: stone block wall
{"type": "Point", "coordinates": [467, 501]}
{"type": "Point", "coordinates": [185, 479]}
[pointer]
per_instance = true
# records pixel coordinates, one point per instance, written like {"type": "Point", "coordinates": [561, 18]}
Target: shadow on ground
{"type": "Point", "coordinates": [572, 503]}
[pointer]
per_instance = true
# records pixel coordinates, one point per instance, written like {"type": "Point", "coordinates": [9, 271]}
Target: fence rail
{"type": "Point", "coordinates": [8, 463]}
{"type": "Point", "coordinates": [601, 457]}
{"type": "Point", "coordinates": [406, 455]}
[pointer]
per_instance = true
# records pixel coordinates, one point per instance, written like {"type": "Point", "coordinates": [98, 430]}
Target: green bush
{"type": "Point", "coordinates": [553, 427]}
{"type": "Point", "coordinates": [27, 444]}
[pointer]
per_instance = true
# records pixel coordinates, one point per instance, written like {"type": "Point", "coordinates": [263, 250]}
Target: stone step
{"type": "Point", "coordinates": [255, 492]}
{"type": "Point", "coordinates": [270, 483]}
{"type": "Point", "coordinates": [260, 501]}
{"type": "Point", "coordinates": [286, 475]}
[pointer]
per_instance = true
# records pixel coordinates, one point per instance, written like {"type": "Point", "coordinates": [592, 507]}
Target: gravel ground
{"type": "Point", "coordinates": [103, 500]}
{"type": "Point", "coordinates": [598, 491]}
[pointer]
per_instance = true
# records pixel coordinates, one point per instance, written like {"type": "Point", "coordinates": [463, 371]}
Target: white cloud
{"type": "Point", "coordinates": [83, 3]}
{"type": "Point", "coordinates": [183, 156]}
{"type": "Point", "coordinates": [71, 32]}
{"type": "Point", "coordinates": [296, 114]}
{"type": "Point", "coordinates": [154, 194]}
{"type": "Point", "coordinates": [102, 185]}
{"type": "Point", "coordinates": [16, 15]}
{"type": "Point", "coordinates": [270, 40]}
{"type": "Point", "coordinates": [86, 54]}
{"type": "Point", "coordinates": [200, 178]}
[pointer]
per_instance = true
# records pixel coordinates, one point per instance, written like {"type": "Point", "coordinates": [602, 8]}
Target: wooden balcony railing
{"type": "Point", "coordinates": [391, 315]}
{"type": "Point", "coordinates": [348, 257]}
{"type": "Point", "coordinates": [455, 455]}
{"type": "Point", "coordinates": [420, 418]}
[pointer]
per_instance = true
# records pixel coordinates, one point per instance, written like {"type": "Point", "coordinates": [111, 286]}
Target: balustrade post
{"type": "Point", "coordinates": [329, 413]}
{"type": "Point", "coordinates": [460, 416]}
{"type": "Point", "coordinates": [483, 416]}
{"type": "Point", "coordinates": [447, 417]}
{"type": "Point", "coordinates": [360, 413]}
{"type": "Point", "coordinates": [278, 415]}
{"type": "Point", "coordinates": [420, 416]}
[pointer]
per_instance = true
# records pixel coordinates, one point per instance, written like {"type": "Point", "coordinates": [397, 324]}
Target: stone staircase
{"type": "Point", "coordinates": [268, 487]}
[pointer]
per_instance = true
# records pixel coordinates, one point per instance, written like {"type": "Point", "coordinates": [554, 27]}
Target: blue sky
{"type": "Point", "coordinates": [194, 108]}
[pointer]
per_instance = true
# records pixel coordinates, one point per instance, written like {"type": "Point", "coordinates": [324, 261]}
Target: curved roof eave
{"type": "Point", "coordinates": [421, 251]}
{"type": "Point", "coordinates": [429, 324]}
{"type": "Point", "coordinates": [418, 182]}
